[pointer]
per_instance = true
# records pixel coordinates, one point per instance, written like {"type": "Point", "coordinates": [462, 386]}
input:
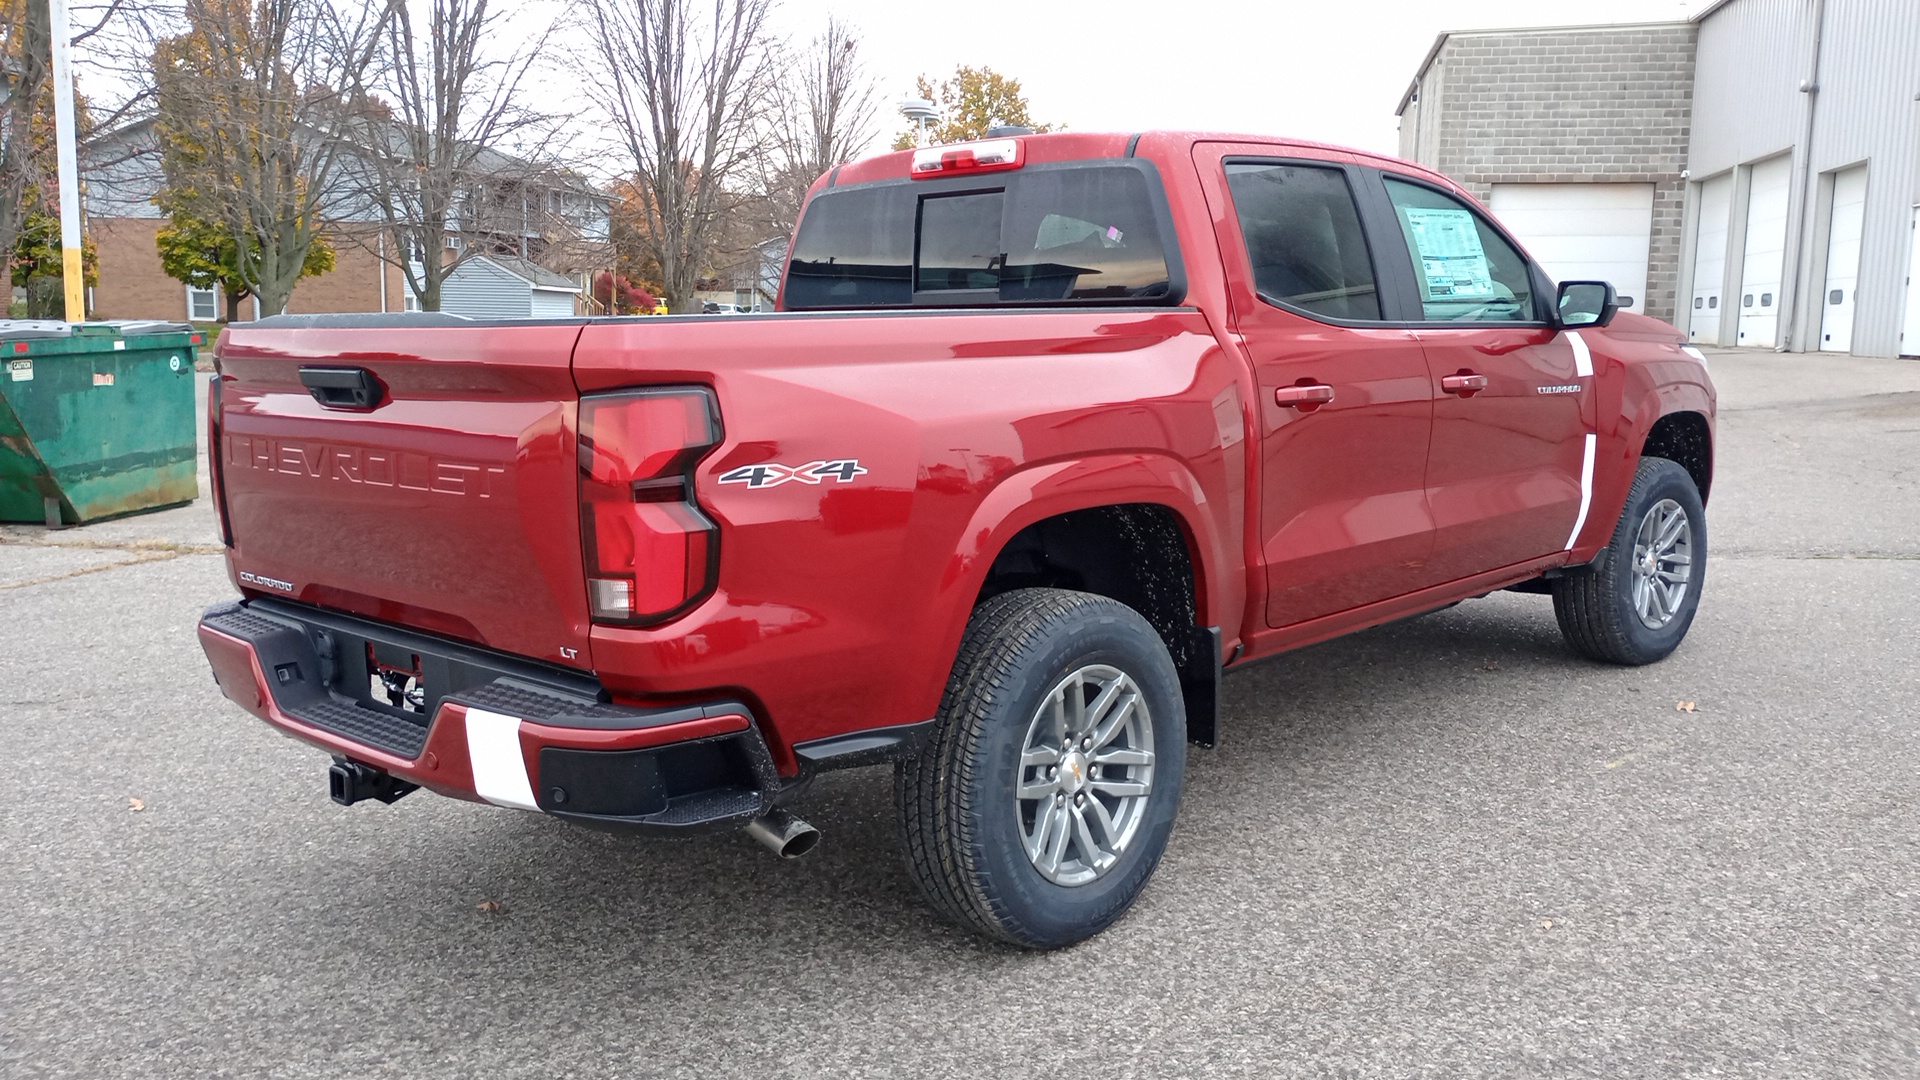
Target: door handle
{"type": "Point", "coordinates": [1305, 398]}
{"type": "Point", "coordinates": [350, 388]}
{"type": "Point", "coordinates": [1466, 384]}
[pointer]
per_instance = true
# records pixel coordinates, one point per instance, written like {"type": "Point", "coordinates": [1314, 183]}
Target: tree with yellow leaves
{"type": "Point", "coordinates": [254, 103]}
{"type": "Point", "coordinates": [971, 102]}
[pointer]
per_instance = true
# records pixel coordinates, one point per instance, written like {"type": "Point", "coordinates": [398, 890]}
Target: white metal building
{"type": "Point", "coordinates": [1803, 177]}
{"type": "Point", "coordinates": [1752, 174]}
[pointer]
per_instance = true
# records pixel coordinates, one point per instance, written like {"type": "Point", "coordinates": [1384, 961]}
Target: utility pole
{"type": "Point", "coordinates": [69, 164]}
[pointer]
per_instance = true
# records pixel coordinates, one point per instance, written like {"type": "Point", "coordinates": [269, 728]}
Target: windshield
{"type": "Point", "coordinates": [1075, 233]}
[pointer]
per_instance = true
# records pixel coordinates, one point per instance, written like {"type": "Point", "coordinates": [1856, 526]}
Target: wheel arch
{"type": "Point", "coordinates": [1686, 438]}
{"type": "Point", "coordinates": [1129, 527]}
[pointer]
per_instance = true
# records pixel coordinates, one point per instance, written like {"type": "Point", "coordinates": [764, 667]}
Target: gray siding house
{"type": "Point", "coordinates": [501, 287]}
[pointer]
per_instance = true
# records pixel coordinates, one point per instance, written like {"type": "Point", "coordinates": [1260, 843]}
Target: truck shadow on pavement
{"type": "Point", "coordinates": [569, 907]}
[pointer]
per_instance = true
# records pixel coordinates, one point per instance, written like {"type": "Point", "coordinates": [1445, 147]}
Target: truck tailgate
{"type": "Point", "coordinates": [451, 505]}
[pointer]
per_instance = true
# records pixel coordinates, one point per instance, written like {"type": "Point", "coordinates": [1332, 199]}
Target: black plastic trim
{"type": "Point", "coordinates": [873, 746]}
{"type": "Point", "coordinates": [1200, 687]}
{"type": "Point", "coordinates": [353, 389]}
{"type": "Point", "coordinates": [1132, 142]}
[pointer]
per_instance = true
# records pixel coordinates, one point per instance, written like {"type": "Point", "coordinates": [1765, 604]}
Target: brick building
{"type": "Point", "coordinates": [568, 232]}
{"type": "Point", "coordinates": [1575, 136]}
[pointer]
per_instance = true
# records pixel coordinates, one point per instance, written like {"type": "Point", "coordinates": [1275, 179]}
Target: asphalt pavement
{"type": "Point", "coordinates": [1441, 848]}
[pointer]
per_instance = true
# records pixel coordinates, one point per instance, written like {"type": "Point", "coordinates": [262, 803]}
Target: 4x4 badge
{"type": "Point", "coordinates": [769, 474]}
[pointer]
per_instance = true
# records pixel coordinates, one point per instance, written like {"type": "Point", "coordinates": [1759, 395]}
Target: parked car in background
{"type": "Point", "coordinates": [1051, 432]}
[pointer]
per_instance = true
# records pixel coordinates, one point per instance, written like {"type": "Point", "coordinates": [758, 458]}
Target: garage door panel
{"type": "Point", "coordinates": [1766, 252]}
{"type": "Point", "coordinates": [1712, 220]}
{"type": "Point", "coordinates": [1844, 230]}
{"type": "Point", "coordinates": [1583, 232]}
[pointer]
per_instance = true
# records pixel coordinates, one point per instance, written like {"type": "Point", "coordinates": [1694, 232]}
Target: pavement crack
{"type": "Point", "coordinates": [171, 547]}
{"type": "Point", "coordinates": [1825, 556]}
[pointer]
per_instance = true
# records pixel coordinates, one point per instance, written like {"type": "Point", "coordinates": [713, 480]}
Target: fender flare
{"type": "Point", "coordinates": [1048, 489]}
{"type": "Point", "coordinates": [1619, 457]}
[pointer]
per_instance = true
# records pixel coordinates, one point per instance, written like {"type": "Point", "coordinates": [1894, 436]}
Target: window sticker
{"type": "Point", "coordinates": [1451, 257]}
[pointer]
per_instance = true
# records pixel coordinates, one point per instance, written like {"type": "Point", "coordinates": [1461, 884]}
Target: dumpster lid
{"type": "Point", "coordinates": [134, 327]}
{"type": "Point", "coordinates": [22, 329]}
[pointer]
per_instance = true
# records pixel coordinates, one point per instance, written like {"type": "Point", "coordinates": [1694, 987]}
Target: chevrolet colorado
{"type": "Point", "coordinates": [1049, 432]}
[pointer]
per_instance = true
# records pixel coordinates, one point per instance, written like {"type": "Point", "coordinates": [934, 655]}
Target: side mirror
{"type": "Point", "coordinates": [1586, 303]}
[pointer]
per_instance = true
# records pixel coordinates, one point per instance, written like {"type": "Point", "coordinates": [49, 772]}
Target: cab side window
{"type": "Point", "coordinates": [1304, 239]}
{"type": "Point", "coordinates": [1466, 271]}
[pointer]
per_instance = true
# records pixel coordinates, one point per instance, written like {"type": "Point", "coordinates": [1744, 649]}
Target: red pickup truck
{"type": "Point", "coordinates": [1050, 431]}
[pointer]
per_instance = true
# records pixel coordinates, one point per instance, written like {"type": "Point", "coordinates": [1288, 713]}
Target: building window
{"type": "Point", "coordinates": [203, 305]}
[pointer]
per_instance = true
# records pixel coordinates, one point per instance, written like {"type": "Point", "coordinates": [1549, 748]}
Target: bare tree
{"type": "Point", "coordinates": [431, 166]}
{"type": "Point", "coordinates": [687, 86]}
{"type": "Point", "coordinates": [25, 44]}
{"type": "Point", "coordinates": [256, 106]}
{"type": "Point", "coordinates": [826, 116]}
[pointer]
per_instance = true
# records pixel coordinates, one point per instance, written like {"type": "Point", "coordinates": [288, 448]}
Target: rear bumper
{"type": "Point", "coordinates": [490, 728]}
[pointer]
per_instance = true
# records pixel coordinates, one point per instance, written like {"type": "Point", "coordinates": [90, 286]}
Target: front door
{"type": "Point", "coordinates": [1344, 399]}
{"type": "Point", "coordinates": [1511, 463]}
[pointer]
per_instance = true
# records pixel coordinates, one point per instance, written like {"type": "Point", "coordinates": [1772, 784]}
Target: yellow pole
{"type": "Point", "coordinates": [64, 142]}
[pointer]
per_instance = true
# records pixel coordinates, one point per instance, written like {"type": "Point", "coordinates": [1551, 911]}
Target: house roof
{"type": "Point", "coordinates": [533, 273]}
{"type": "Point", "coordinates": [1440, 42]}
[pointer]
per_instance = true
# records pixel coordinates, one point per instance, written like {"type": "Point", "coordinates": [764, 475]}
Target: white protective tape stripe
{"type": "Point", "coordinates": [1586, 490]}
{"type": "Point", "coordinates": [499, 768]}
{"type": "Point", "coordinates": [1582, 357]}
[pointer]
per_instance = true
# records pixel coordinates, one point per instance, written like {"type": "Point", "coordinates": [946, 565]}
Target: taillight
{"type": "Point", "coordinates": [991, 156]}
{"type": "Point", "coordinates": [650, 552]}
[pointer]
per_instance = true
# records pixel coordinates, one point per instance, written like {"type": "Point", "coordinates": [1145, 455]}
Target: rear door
{"type": "Point", "coordinates": [449, 503]}
{"type": "Point", "coordinates": [1344, 400]}
{"type": "Point", "coordinates": [1511, 461]}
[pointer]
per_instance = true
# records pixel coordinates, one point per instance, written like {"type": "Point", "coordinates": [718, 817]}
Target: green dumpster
{"type": "Point", "coordinates": [96, 420]}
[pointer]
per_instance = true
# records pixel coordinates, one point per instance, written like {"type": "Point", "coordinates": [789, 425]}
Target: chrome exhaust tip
{"type": "Point", "coordinates": [783, 834]}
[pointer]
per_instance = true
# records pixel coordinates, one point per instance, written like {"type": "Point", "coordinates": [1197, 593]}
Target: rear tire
{"type": "Point", "coordinates": [1634, 603]}
{"type": "Point", "coordinates": [1063, 709]}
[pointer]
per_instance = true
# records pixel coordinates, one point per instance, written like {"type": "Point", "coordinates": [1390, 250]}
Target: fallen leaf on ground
{"type": "Point", "coordinates": [491, 906]}
{"type": "Point", "coordinates": [1683, 706]}
{"type": "Point", "coordinates": [1492, 665]}
{"type": "Point", "coordinates": [135, 805]}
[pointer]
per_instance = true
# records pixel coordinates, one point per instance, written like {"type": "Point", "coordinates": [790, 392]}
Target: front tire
{"type": "Point", "coordinates": [1634, 603]}
{"type": "Point", "coordinates": [1045, 798]}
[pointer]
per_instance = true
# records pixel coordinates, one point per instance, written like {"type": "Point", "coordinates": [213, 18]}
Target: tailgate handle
{"type": "Point", "coordinates": [343, 387]}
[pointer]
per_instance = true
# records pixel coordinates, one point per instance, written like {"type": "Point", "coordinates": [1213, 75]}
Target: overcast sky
{"type": "Point", "coordinates": [1331, 70]}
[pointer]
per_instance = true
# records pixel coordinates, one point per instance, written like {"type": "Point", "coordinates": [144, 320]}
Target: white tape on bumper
{"type": "Point", "coordinates": [499, 767]}
{"type": "Point", "coordinates": [1586, 490]}
{"type": "Point", "coordinates": [1582, 356]}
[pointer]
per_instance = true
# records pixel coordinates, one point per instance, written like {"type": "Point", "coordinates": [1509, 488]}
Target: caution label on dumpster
{"type": "Point", "coordinates": [103, 378]}
{"type": "Point", "coordinates": [20, 370]}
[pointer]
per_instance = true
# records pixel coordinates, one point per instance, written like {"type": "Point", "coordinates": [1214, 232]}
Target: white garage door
{"type": "Point", "coordinates": [1584, 232]}
{"type": "Point", "coordinates": [1766, 253]}
{"type": "Point", "coordinates": [1710, 259]}
{"type": "Point", "coordinates": [1843, 259]}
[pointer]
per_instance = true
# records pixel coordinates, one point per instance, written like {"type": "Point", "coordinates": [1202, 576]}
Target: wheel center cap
{"type": "Point", "coordinates": [1073, 772]}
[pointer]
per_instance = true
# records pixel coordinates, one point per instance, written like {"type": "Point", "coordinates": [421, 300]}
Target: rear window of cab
{"type": "Point", "coordinates": [1074, 232]}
